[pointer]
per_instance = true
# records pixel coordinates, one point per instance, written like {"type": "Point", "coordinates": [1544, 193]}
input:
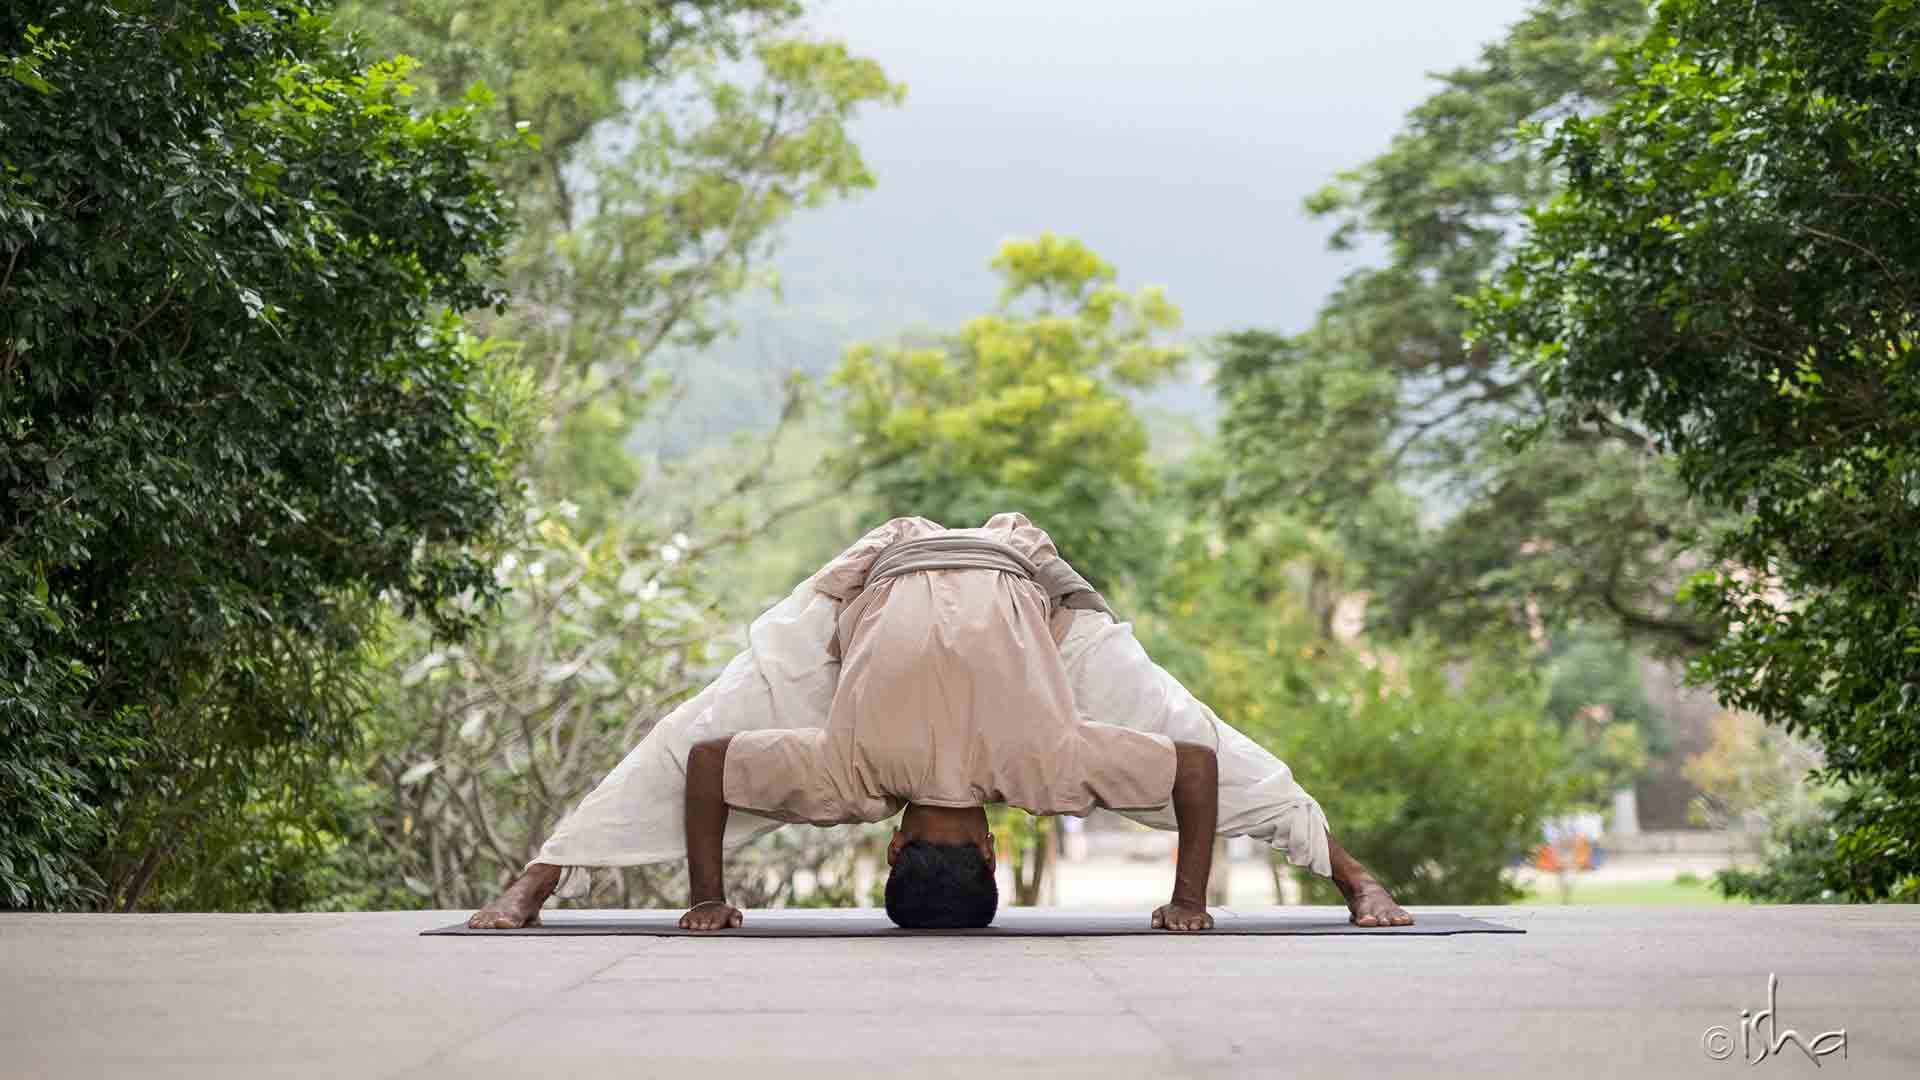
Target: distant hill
{"type": "Point", "coordinates": [1177, 140]}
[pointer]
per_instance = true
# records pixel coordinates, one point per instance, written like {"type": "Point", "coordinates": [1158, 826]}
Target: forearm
{"type": "Point", "coordinates": [1196, 809]}
{"type": "Point", "coordinates": [706, 817]}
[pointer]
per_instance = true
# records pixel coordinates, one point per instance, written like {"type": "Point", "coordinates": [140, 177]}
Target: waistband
{"type": "Point", "coordinates": [949, 553]}
{"type": "Point", "coordinates": [1063, 584]}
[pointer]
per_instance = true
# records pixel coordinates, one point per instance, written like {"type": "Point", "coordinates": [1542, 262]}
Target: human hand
{"type": "Point", "coordinates": [711, 915]}
{"type": "Point", "coordinates": [1179, 916]}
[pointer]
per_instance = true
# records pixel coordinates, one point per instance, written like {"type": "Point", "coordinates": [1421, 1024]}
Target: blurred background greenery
{"type": "Point", "coordinates": [1377, 535]}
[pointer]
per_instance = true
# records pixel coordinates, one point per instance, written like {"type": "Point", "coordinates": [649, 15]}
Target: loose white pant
{"type": "Point", "coordinates": [785, 679]}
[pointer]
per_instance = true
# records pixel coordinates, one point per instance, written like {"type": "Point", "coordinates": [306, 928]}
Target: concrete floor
{"type": "Point", "coordinates": [1586, 992]}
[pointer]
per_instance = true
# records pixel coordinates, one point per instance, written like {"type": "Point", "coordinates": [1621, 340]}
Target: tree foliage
{"type": "Point", "coordinates": [479, 749]}
{"type": "Point", "coordinates": [672, 143]}
{"type": "Point", "coordinates": [1378, 423]}
{"type": "Point", "coordinates": [1023, 408]}
{"type": "Point", "coordinates": [238, 414]}
{"type": "Point", "coordinates": [1594, 697]}
{"type": "Point", "coordinates": [1752, 774]}
{"type": "Point", "coordinates": [1731, 278]}
{"type": "Point", "coordinates": [1439, 775]}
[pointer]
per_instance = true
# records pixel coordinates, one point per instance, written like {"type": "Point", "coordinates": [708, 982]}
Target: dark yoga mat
{"type": "Point", "coordinates": [1012, 922]}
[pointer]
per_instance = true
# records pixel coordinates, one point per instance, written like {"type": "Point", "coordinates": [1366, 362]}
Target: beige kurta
{"type": "Point", "coordinates": [951, 693]}
{"type": "Point", "coordinates": [786, 675]}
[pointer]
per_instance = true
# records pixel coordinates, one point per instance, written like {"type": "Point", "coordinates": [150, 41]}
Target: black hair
{"type": "Point", "coordinates": [941, 887]}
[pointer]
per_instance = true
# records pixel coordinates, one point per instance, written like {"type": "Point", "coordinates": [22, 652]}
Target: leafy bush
{"type": "Point", "coordinates": [1732, 277]}
{"type": "Point", "coordinates": [237, 415]}
{"type": "Point", "coordinates": [1435, 770]}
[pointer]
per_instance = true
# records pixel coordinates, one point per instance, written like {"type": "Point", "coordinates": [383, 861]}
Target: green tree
{"type": "Point", "coordinates": [479, 749]}
{"type": "Point", "coordinates": [1730, 278]}
{"type": "Point", "coordinates": [673, 142]}
{"type": "Point", "coordinates": [1594, 696]}
{"type": "Point", "coordinates": [1588, 669]}
{"type": "Point", "coordinates": [1378, 423]}
{"type": "Point", "coordinates": [1438, 772]}
{"type": "Point", "coordinates": [238, 414]}
{"type": "Point", "coordinates": [1752, 773]}
{"type": "Point", "coordinates": [1022, 409]}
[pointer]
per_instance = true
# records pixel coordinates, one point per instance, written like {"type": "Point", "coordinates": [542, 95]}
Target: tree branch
{"type": "Point", "coordinates": [1898, 282]}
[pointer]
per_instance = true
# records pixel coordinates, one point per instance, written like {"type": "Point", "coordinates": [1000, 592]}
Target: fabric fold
{"type": "Point", "coordinates": [787, 675]}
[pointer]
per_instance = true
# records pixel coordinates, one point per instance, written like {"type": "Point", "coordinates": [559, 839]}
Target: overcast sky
{"type": "Point", "coordinates": [1176, 138]}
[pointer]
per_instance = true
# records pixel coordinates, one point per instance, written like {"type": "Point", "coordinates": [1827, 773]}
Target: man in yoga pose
{"type": "Point", "coordinates": [929, 672]}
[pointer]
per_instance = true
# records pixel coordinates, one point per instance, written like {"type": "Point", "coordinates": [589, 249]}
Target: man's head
{"type": "Point", "coordinates": [942, 879]}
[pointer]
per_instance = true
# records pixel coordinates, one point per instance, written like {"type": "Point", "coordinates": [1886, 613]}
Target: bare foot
{"type": "Point", "coordinates": [519, 905]}
{"type": "Point", "coordinates": [1372, 905]}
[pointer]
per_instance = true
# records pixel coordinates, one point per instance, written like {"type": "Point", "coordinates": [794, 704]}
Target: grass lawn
{"type": "Point", "coordinates": [1630, 892]}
